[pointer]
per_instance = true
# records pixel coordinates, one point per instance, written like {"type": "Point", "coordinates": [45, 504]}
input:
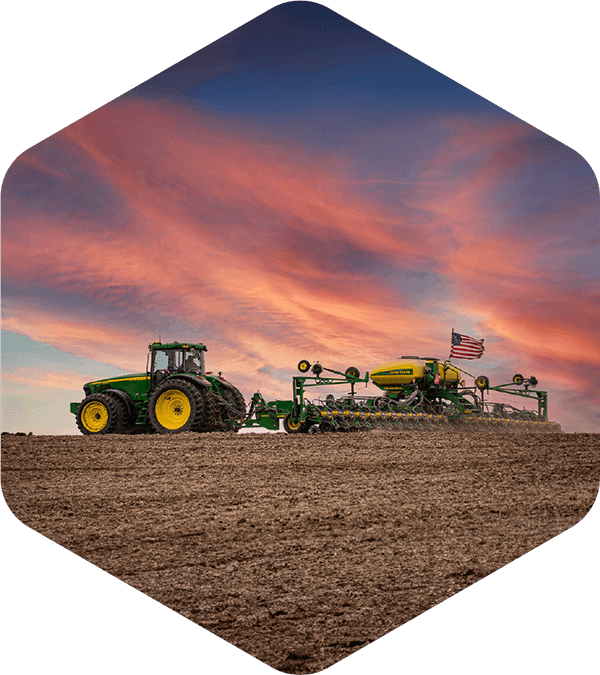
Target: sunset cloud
{"type": "Point", "coordinates": [154, 216]}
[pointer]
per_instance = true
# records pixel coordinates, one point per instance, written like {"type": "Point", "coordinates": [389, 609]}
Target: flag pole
{"type": "Point", "coordinates": [447, 361]}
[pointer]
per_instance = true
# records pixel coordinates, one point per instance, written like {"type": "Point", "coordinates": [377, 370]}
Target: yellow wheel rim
{"type": "Point", "coordinates": [173, 409]}
{"type": "Point", "coordinates": [293, 425]}
{"type": "Point", "coordinates": [94, 416]}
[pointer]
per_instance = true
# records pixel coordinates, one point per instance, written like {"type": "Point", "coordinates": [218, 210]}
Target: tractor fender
{"type": "Point", "coordinates": [196, 381]}
{"type": "Point", "coordinates": [124, 396]}
{"type": "Point", "coordinates": [222, 382]}
{"type": "Point", "coordinates": [226, 384]}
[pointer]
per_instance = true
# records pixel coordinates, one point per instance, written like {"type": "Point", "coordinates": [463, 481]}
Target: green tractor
{"type": "Point", "coordinates": [175, 394]}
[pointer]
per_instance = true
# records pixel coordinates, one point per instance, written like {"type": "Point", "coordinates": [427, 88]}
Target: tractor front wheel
{"type": "Point", "coordinates": [176, 406]}
{"type": "Point", "coordinates": [100, 414]}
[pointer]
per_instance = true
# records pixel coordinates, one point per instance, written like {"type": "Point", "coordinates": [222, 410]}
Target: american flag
{"type": "Point", "coordinates": [465, 347]}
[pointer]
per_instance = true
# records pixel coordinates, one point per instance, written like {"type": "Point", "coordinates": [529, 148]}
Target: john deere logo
{"type": "Point", "coordinates": [401, 371]}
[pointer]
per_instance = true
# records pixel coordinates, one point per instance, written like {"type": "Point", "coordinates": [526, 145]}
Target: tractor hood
{"type": "Point", "coordinates": [119, 378]}
{"type": "Point", "coordinates": [137, 383]}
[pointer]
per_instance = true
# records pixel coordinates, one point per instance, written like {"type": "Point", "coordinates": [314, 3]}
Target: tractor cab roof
{"type": "Point", "coordinates": [177, 345]}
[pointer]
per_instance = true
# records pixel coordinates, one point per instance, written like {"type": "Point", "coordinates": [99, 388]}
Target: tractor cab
{"type": "Point", "coordinates": [166, 359]}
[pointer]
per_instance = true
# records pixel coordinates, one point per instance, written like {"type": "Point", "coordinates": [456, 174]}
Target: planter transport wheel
{"type": "Point", "coordinates": [293, 427]}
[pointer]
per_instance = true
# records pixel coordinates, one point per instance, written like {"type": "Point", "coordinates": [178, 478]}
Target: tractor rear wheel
{"type": "Point", "coordinates": [213, 403]}
{"type": "Point", "coordinates": [208, 421]}
{"type": "Point", "coordinates": [235, 398]}
{"type": "Point", "coordinates": [176, 406]}
{"type": "Point", "coordinates": [235, 409]}
{"type": "Point", "coordinates": [101, 414]}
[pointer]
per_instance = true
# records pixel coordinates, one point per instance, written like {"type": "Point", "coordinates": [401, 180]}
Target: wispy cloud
{"type": "Point", "coordinates": [150, 217]}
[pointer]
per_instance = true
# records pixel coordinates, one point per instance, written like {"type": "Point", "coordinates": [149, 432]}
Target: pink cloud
{"type": "Point", "coordinates": [245, 236]}
{"type": "Point", "coordinates": [31, 379]}
{"type": "Point", "coordinates": [278, 280]}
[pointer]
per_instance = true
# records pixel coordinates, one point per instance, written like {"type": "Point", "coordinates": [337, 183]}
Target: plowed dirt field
{"type": "Point", "coordinates": [300, 549]}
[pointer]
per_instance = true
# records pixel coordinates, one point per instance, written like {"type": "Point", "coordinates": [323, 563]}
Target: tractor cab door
{"type": "Point", "coordinates": [175, 360]}
{"type": "Point", "coordinates": [164, 362]}
{"type": "Point", "coordinates": [194, 362]}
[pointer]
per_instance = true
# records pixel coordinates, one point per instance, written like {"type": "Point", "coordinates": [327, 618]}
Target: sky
{"type": "Point", "coordinates": [299, 188]}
